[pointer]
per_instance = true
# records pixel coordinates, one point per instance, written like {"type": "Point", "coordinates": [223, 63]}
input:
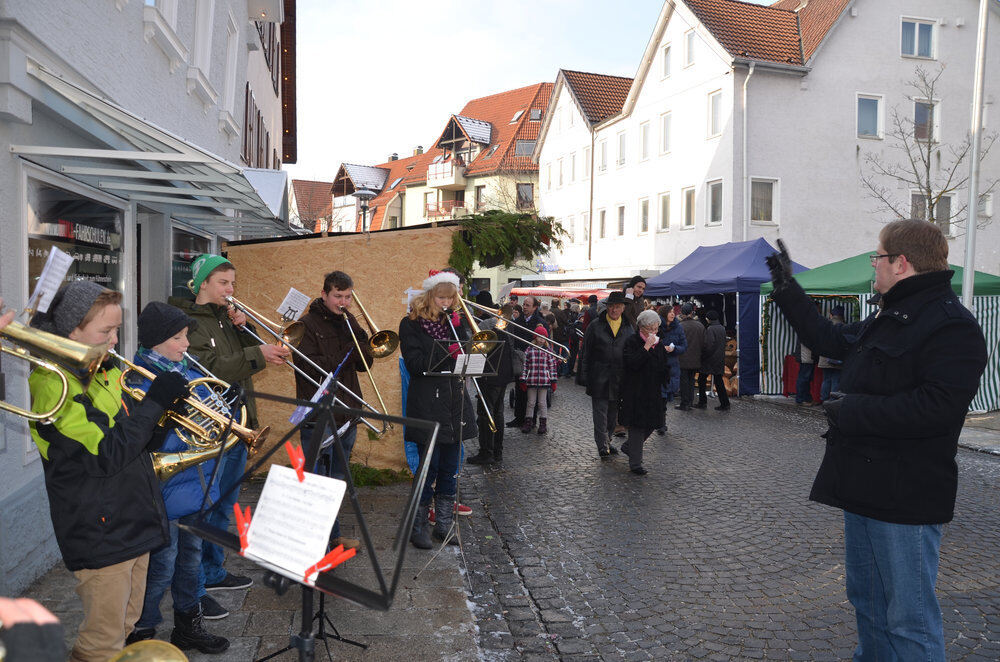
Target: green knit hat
{"type": "Point", "coordinates": [203, 266]}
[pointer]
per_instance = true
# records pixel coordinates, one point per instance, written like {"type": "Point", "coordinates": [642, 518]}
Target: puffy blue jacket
{"type": "Point", "coordinates": [673, 333]}
{"type": "Point", "coordinates": [183, 493]}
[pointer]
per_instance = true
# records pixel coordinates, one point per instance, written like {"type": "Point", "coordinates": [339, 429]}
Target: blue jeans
{"type": "Point", "coordinates": [802, 383]}
{"type": "Point", "coordinates": [175, 565]}
{"type": "Point", "coordinates": [831, 382]}
{"type": "Point", "coordinates": [213, 556]}
{"type": "Point", "coordinates": [441, 472]}
{"type": "Point", "coordinates": [328, 462]}
{"type": "Point", "coordinates": [891, 572]}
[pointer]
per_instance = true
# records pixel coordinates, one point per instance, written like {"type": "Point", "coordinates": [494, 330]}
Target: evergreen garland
{"type": "Point", "coordinates": [496, 238]}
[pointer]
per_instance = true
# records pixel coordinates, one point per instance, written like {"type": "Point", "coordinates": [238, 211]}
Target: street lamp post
{"type": "Point", "coordinates": [364, 195]}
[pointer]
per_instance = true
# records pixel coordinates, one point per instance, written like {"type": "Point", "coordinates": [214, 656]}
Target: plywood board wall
{"type": "Point", "coordinates": [383, 265]}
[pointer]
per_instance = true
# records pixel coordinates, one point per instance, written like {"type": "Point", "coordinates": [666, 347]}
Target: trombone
{"type": "Point", "coordinates": [503, 323]}
{"type": "Point", "coordinates": [382, 344]}
{"type": "Point", "coordinates": [481, 342]}
{"type": "Point", "coordinates": [51, 352]}
{"type": "Point", "coordinates": [290, 334]}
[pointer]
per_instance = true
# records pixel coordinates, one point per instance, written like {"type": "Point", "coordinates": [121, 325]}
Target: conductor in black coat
{"type": "Point", "coordinates": [910, 372]}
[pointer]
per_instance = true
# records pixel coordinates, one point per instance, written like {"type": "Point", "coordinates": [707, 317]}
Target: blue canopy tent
{"type": "Point", "coordinates": [735, 268]}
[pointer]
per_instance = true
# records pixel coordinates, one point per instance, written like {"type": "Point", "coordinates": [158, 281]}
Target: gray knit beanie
{"type": "Point", "coordinates": [68, 308]}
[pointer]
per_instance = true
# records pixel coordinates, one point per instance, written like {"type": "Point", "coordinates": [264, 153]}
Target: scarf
{"type": "Point", "coordinates": [156, 360]}
{"type": "Point", "coordinates": [436, 329]}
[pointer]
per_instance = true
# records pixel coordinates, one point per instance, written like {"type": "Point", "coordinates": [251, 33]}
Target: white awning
{"type": "Point", "coordinates": [158, 168]}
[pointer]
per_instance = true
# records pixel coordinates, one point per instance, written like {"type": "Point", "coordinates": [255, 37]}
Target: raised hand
{"type": "Point", "coordinates": [780, 265]}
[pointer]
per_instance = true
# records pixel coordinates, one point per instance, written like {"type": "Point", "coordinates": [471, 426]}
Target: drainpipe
{"type": "Point", "coordinates": [590, 217]}
{"type": "Point", "coordinates": [746, 176]}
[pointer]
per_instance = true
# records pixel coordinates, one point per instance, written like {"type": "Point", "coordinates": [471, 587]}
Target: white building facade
{"type": "Point", "coordinates": [814, 89]}
{"type": "Point", "coordinates": [134, 136]}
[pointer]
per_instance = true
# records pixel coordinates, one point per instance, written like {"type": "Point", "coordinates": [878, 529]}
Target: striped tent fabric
{"type": "Point", "coordinates": [778, 340]}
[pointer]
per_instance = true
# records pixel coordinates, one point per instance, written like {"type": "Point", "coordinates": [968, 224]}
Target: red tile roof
{"type": "Point", "coordinates": [600, 95]}
{"type": "Point", "coordinates": [815, 20]}
{"type": "Point", "coordinates": [412, 169]}
{"type": "Point", "coordinates": [751, 31]}
{"type": "Point", "coordinates": [314, 201]}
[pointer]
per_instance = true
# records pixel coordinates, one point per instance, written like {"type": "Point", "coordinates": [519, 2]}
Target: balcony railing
{"type": "Point", "coordinates": [448, 174]}
{"type": "Point", "coordinates": [437, 209]}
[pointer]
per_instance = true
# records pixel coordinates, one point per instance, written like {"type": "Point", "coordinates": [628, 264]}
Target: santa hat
{"type": "Point", "coordinates": [436, 277]}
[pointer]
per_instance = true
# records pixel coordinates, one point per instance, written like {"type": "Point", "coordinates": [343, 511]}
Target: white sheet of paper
{"type": "Point", "coordinates": [474, 364]}
{"type": "Point", "coordinates": [294, 304]}
{"type": "Point", "coordinates": [51, 278]}
{"type": "Point", "coordinates": [300, 412]}
{"type": "Point", "coordinates": [290, 528]}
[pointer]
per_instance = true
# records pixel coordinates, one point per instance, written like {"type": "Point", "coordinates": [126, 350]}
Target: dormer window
{"type": "Point", "coordinates": [517, 116]}
{"type": "Point", "coordinates": [536, 115]}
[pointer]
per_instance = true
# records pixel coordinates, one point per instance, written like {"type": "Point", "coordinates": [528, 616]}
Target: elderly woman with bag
{"type": "Point", "coordinates": [646, 366]}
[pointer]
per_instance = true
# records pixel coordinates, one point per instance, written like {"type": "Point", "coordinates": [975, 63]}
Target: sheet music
{"type": "Point", "coordinates": [474, 364]}
{"type": "Point", "coordinates": [293, 305]}
{"type": "Point", "coordinates": [51, 278]}
{"type": "Point", "coordinates": [290, 528]}
{"type": "Point", "coordinates": [302, 411]}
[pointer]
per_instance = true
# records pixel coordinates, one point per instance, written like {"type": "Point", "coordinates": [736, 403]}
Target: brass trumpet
{"type": "Point", "coordinates": [54, 353]}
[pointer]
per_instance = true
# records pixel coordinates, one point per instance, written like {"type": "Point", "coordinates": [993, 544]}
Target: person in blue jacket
{"type": "Point", "coordinates": [674, 339]}
{"type": "Point", "coordinates": [163, 340]}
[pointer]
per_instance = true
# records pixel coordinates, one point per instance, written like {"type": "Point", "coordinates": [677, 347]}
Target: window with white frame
{"type": "Point", "coordinates": [665, 132]}
{"type": "Point", "coordinates": [870, 116]}
{"type": "Point", "coordinates": [571, 229]}
{"type": "Point", "coordinates": [920, 203]}
{"type": "Point", "coordinates": [665, 61]}
{"type": "Point", "coordinates": [763, 200]}
{"type": "Point", "coordinates": [621, 220]}
{"type": "Point", "coordinates": [714, 203]}
{"type": "Point", "coordinates": [925, 120]}
{"type": "Point", "coordinates": [602, 162]}
{"type": "Point", "coordinates": [644, 141]}
{"type": "Point", "coordinates": [572, 167]}
{"type": "Point", "coordinates": [621, 148]}
{"type": "Point", "coordinates": [586, 162]}
{"type": "Point", "coordinates": [689, 39]}
{"type": "Point", "coordinates": [560, 180]}
{"type": "Point", "coordinates": [664, 212]}
{"type": "Point", "coordinates": [644, 216]}
{"type": "Point", "coordinates": [204, 20]}
{"type": "Point", "coordinates": [688, 199]}
{"type": "Point", "coordinates": [714, 113]}
{"type": "Point", "coordinates": [602, 223]}
{"type": "Point", "coordinates": [548, 176]}
{"type": "Point", "coordinates": [917, 38]}
{"type": "Point", "coordinates": [585, 222]}
{"type": "Point", "coordinates": [429, 203]}
{"type": "Point", "coordinates": [232, 64]}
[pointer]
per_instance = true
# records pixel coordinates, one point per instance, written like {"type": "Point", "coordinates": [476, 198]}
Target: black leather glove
{"type": "Point", "coordinates": [167, 388]}
{"type": "Point", "coordinates": [780, 265]}
{"type": "Point", "coordinates": [832, 407]}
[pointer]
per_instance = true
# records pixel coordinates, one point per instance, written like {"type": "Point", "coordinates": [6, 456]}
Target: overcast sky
{"type": "Point", "coordinates": [381, 76]}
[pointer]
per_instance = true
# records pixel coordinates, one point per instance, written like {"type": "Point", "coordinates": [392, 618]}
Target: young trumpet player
{"type": "Point", "coordinates": [233, 356]}
{"type": "Point", "coordinates": [104, 497]}
{"type": "Point", "coordinates": [163, 340]}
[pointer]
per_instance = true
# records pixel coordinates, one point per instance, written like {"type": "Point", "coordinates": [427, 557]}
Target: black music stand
{"type": "Point", "coordinates": [321, 414]}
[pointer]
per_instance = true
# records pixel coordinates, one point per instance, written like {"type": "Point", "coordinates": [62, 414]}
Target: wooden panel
{"type": "Point", "coordinates": [383, 266]}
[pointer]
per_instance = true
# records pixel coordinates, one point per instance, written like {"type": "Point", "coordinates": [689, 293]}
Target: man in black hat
{"type": "Point", "coordinates": [601, 366]}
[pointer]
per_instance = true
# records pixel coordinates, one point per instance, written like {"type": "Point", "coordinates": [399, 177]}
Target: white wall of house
{"type": "Point", "coordinates": [802, 139]}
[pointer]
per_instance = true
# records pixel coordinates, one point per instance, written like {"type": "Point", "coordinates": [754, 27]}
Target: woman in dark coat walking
{"type": "Point", "coordinates": [646, 366]}
{"type": "Point", "coordinates": [423, 336]}
{"type": "Point", "coordinates": [675, 343]}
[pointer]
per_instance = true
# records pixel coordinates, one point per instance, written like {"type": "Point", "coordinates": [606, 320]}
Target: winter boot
{"type": "Point", "coordinates": [543, 425]}
{"type": "Point", "coordinates": [444, 506]}
{"type": "Point", "coordinates": [528, 424]}
{"type": "Point", "coordinates": [189, 633]}
{"type": "Point", "coordinates": [140, 634]}
{"type": "Point", "coordinates": [421, 536]}
{"type": "Point", "coordinates": [484, 456]}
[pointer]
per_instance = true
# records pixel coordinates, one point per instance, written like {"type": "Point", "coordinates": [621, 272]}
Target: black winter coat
{"type": "Point", "coordinates": [434, 398]}
{"type": "Point", "coordinates": [602, 357]}
{"type": "Point", "coordinates": [641, 400]}
{"type": "Point", "coordinates": [694, 331]}
{"type": "Point", "coordinates": [713, 352]}
{"type": "Point", "coordinates": [500, 357]}
{"type": "Point", "coordinates": [909, 374]}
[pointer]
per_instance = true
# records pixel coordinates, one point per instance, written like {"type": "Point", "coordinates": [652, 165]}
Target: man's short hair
{"type": "Point", "coordinates": [534, 301]}
{"type": "Point", "coordinates": [337, 280]}
{"type": "Point", "coordinates": [921, 242]}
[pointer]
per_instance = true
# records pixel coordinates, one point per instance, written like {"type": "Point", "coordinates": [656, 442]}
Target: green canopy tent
{"type": "Point", "coordinates": [849, 283]}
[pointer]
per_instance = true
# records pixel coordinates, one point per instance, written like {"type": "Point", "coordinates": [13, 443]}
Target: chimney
{"type": "Point", "coordinates": [394, 156]}
{"type": "Point", "coordinates": [802, 5]}
{"type": "Point", "coordinates": [419, 150]}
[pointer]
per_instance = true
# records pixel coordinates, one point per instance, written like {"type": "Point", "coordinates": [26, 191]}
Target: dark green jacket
{"type": "Point", "coordinates": [104, 498]}
{"type": "Point", "coordinates": [232, 355]}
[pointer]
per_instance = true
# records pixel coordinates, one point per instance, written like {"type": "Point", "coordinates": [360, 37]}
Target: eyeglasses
{"type": "Point", "coordinates": [875, 256]}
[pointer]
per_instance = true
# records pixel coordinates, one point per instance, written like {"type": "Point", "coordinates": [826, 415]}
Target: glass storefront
{"type": "Point", "coordinates": [89, 231]}
{"type": "Point", "coordinates": [186, 247]}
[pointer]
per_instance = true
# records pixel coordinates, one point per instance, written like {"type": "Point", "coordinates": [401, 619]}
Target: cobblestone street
{"type": "Point", "coordinates": [716, 554]}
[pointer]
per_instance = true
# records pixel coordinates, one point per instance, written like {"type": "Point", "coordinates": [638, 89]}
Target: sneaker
{"type": "Point", "coordinates": [212, 610]}
{"type": "Point", "coordinates": [230, 582]}
{"type": "Point", "coordinates": [348, 543]}
{"type": "Point", "coordinates": [462, 509]}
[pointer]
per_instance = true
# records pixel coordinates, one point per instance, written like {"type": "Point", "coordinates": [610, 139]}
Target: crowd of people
{"type": "Point", "coordinates": [900, 383]}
